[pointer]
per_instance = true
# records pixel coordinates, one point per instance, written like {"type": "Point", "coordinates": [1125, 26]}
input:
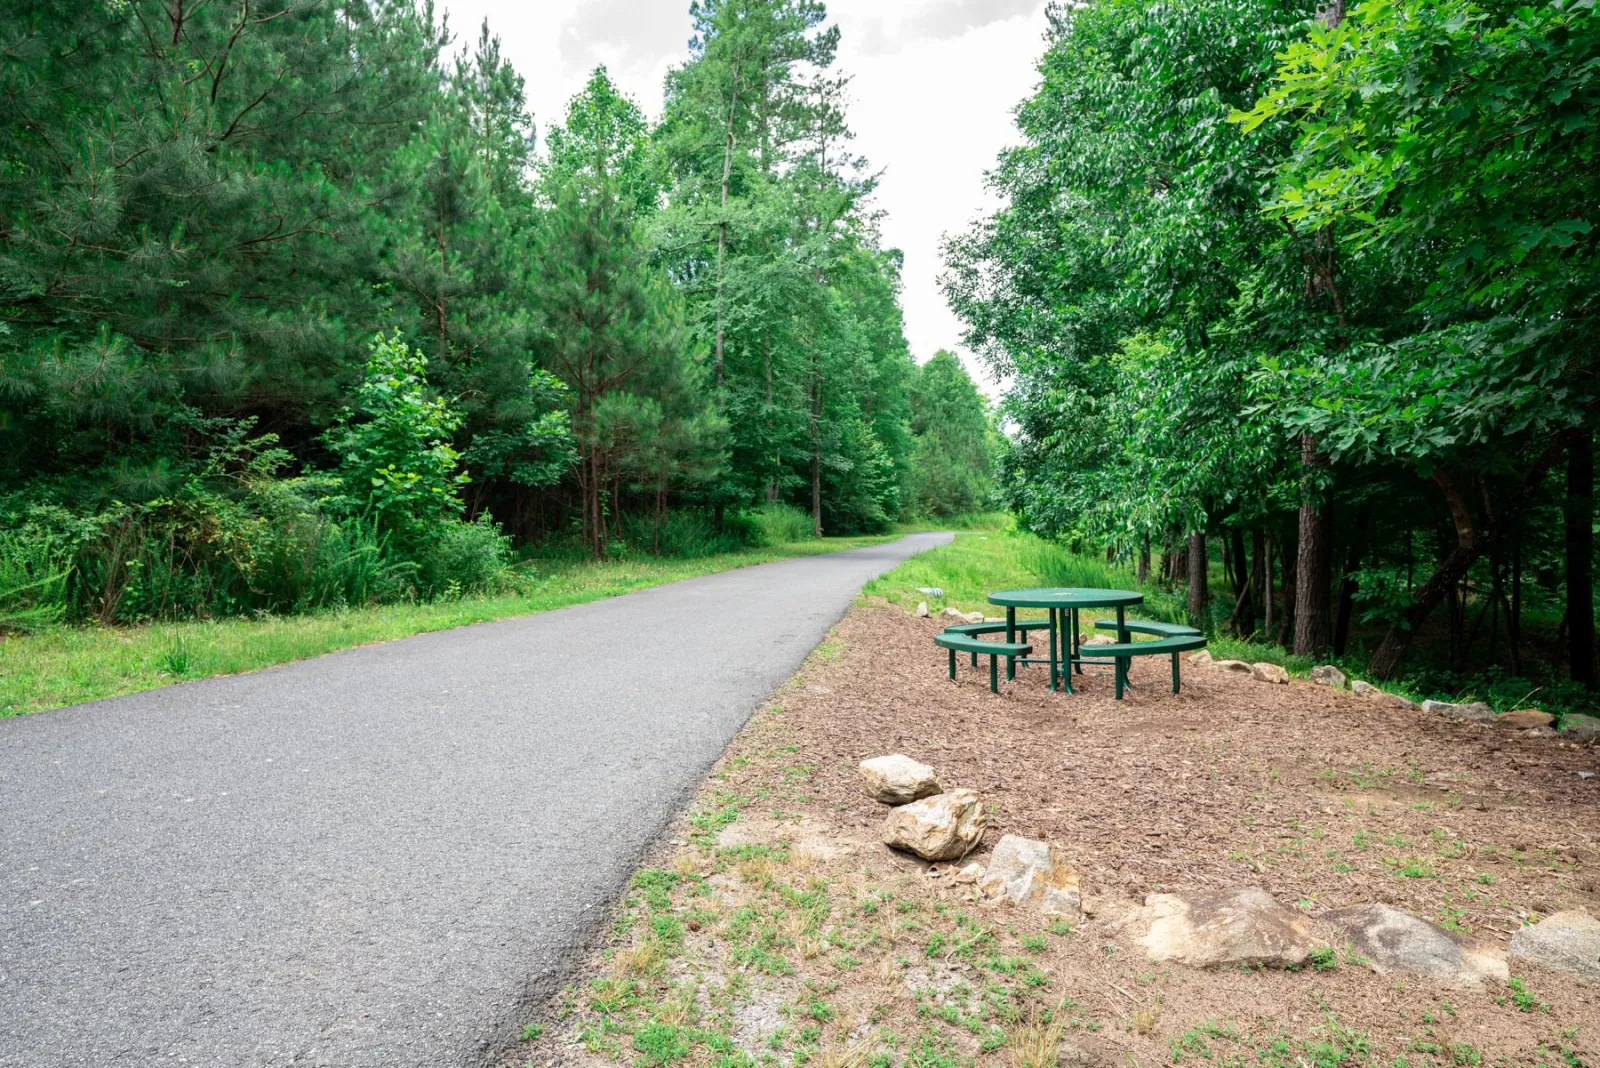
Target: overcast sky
{"type": "Point", "coordinates": [934, 85]}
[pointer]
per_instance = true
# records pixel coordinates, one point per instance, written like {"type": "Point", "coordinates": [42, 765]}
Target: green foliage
{"type": "Point", "coordinates": [397, 462]}
{"type": "Point", "coordinates": [951, 469]}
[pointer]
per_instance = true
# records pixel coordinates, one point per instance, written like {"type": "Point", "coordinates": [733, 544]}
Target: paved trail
{"type": "Point", "coordinates": [375, 858]}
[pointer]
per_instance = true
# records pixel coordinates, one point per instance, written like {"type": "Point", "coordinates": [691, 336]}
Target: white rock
{"type": "Point", "coordinates": [1364, 688]}
{"type": "Point", "coordinates": [1328, 675]}
{"type": "Point", "coordinates": [1272, 673]}
{"type": "Point", "coordinates": [922, 609]}
{"type": "Point", "coordinates": [1580, 726]}
{"type": "Point", "coordinates": [1476, 711]}
{"type": "Point", "coordinates": [1025, 871]}
{"type": "Point", "coordinates": [942, 827]}
{"type": "Point", "coordinates": [1244, 925]}
{"type": "Point", "coordinates": [1566, 941]}
{"type": "Point", "coordinates": [896, 779]}
{"type": "Point", "coordinates": [1202, 657]}
{"type": "Point", "coordinates": [1232, 665]}
{"type": "Point", "coordinates": [952, 612]}
{"type": "Point", "coordinates": [973, 617]}
{"type": "Point", "coordinates": [1396, 941]}
{"type": "Point", "coordinates": [970, 874]}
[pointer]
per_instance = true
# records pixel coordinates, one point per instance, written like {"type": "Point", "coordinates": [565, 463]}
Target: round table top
{"type": "Point", "coordinates": [1065, 597]}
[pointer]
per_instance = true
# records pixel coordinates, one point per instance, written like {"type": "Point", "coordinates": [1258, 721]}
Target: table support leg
{"type": "Point", "coordinates": [1077, 643]}
{"type": "Point", "coordinates": [1052, 629]}
{"type": "Point", "coordinates": [1066, 651]}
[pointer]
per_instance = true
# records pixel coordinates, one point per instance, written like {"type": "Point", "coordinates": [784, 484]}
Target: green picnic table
{"type": "Point", "coordinates": [1062, 604]}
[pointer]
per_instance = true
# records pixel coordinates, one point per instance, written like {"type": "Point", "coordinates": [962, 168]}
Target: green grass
{"type": "Point", "coordinates": [67, 665]}
{"type": "Point", "coordinates": [981, 561]}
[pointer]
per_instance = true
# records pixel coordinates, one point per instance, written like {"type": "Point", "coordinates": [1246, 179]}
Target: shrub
{"type": "Point", "coordinates": [465, 558]}
{"type": "Point", "coordinates": [776, 523]}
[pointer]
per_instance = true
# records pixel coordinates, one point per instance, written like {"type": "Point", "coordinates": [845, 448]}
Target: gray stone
{"type": "Point", "coordinates": [1328, 675]}
{"type": "Point", "coordinates": [1364, 688]}
{"type": "Point", "coordinates": [973, 617]}
{"type": "Point", "coordinates": [1567, 941]}
{"type": "Point", "coordinates": [1577, 725]}
{"type": "Point", "coordinates": [1232, 665]}
{"type": "Point", "coordinates": [942, 827]}
{"type": "Point", "coordinates": [1396, 941]}
{"type": "Point", "coordinates": [1273, 673]}
{"type": "Point", "coordinates": [1099, 639]}
{"type": "Point", "coordinates": [1243, 925]}
{"type": "Point", "coordinates": [896, 779]}
{"type": "Point", "coordinates": [1202, 657]}
{"type": "Point", "coordinates": [922, 609]}
{"type": "Point", "coordinates": [952, 612]}
{"type": "Point", "coordinates": [1026, 871]}
{"type": "Point", "coordinates": [1475, 711]}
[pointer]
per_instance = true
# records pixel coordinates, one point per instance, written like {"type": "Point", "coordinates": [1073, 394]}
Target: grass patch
{"type": "Point", "coordinates": [61, 666]}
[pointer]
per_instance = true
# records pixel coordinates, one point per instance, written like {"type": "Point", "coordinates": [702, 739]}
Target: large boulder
{"type": "Point", "coordinates": [942, 827]}
{"type": "Point", "coordinates": [1474, 711]}
{"type": "Point", "coordinates": [1523, 718]}
{"type": "Point", "coordinates": [1566, 941]}
{"type": "Point", "coordinates": [1273, 673]}
{"type": "Point", "coordinates": [1576, 725]}
{"type": "Point", "coordinates": [1026, 871]}
{"type": "Point", "coordinates": [897, 779]}
{"type": "Point", "coordinates": [1243, 925]}
{"type": "Point", "coordinates": [1396, 941]}
{"type": "Point", "coordinates": [1328, 675]}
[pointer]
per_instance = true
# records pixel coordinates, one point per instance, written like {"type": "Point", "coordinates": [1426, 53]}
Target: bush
{"type": "Point", "coordinates": [685, 534]}
{"type": "Point", "coordinates": [35, 566]}
{"type": "Point", "coordinates": [466, 558]}
{"type": "Point", "coordinates": [776, 523]}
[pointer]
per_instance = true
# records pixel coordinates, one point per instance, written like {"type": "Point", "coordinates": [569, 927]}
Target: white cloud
{"type": "Point", "coordinates": [934, 85]}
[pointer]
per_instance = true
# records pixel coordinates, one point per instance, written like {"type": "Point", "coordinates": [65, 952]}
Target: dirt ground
{"type": "Point", "coordinates": [778, 930]}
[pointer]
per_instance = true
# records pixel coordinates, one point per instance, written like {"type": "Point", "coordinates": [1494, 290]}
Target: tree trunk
{"type": "Point", "coordinates": [1290, 562]}
{"type": "Point", "coordinates": [1197, 579]}
{"type": "Point", "coordinates": [1144, 560]}
{"type": "Point", "coordinates": [816, 458]}
{"type": "Point", "coordinates": [1348, 584]}
{"type": "Point", "coordinates": [1386, 658]}
{"type": "Point", "coordinates": [1244, 593]}
{"type": "Point", "coordinates": [1312, 614]}
{"type": "Point", "coordinates": [1579, 509]}
{"type": "Point", "coordinates": [1263, 565]}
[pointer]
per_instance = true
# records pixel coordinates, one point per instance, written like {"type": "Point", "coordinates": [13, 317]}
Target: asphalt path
{"type": "Point", "coordinates": [382, 857]}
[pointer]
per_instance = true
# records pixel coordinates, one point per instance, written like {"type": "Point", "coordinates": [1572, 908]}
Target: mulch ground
{"type": "Point", "coordinates": [1322, 798]}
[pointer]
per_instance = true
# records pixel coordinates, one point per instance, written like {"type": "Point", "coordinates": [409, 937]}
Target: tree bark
{"type": "Point", "coordinates": [1198, 595]}
{"type": "Point", "coordinates": [1469, 546]}
{"type": "Point", "coordinates": [1290, 558]}
{"type": "Point", "coordinates": [1244, 592]}
{"type": "Point", "coordinates": [1348, 584]}
{"type": "Point", "coordinates": [1262, 544]}
{"type": "Point", "coordinates": [1312, 612]}
{"type": "Point", "coordinates": [1144, 560]}
{"type": "Point", "coordinates": [1579, 516]}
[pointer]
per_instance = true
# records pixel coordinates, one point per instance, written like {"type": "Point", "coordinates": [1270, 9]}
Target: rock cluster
{"type": "Point", "coordinates": [946, 826]}
{"type": "Point", "coordinates": [1244, 925]}
{"type": "Point", "coordinates": [1328, 675]}
{"type": "Point", "coordinates": [896, 779]}
{"type": "Point", "coordinates": [1026, 871]}
{"type": "Point", "coordinates": [1568, 941]}
{"type": "Point", "coordinates": [1396, 941]}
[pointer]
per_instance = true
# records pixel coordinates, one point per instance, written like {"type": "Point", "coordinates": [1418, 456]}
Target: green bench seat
{"type": "Point", "coordinates": [1143, 626]}
{"type": "Point", "coordinates": [968, 643]}
{"type": "Point", "coordinates": [1126, 651]}
{"type": "Point", "coordinates": [972, 630]}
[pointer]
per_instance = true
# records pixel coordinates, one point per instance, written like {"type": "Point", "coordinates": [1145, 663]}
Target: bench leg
{"type": "Point", "coordinates": [1120, 671]}
{"type": "Point", "coordinates": [1174, 672]}
{"type": "Point", "coordinates": [994, 674]}
{"type": "Point", "coordinates": [974, 659]}
{"type": "Point", "coordinates": [952, 663]}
